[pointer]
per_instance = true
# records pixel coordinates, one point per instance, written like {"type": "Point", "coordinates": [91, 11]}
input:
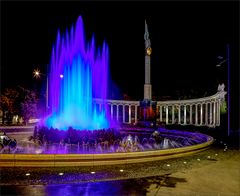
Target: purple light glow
{"type": "Point", "coordinates": [83, 75]}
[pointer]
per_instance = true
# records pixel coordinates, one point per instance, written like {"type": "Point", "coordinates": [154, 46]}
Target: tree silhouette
{"type": "Point", "coordinates": [19, 101]}
{"type": "Point", "coordinates": [28, 105]}
{"type": "Point", "coordinates": [8, 104]}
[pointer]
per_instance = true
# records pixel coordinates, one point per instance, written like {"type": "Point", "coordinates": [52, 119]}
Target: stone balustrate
{"type": "Point", "coordinates": [203, 111]}
{"type": "Point", "coordinates": [199, 112]}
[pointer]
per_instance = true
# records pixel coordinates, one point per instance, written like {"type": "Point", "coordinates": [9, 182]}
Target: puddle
{"type": "Point", "coordinates": [137, 186]}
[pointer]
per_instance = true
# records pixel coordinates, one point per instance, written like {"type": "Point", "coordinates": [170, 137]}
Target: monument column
{"type": "Point", "coordinates": [148, 50]}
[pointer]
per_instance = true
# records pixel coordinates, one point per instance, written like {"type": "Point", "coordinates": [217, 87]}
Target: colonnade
{"type": "Point", "coordinates": [121, 110]}
{"type": "Point", "coordinates": [200, 112]}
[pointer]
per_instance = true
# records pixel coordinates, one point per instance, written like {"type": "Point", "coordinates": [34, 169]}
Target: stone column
{"type": "Point", "coordinates": [117, 112]}
{"type": "Point", "coordinates": [129, 114]}
{"type": "Point", "coordinates": [214, 113]}
{"type": "Point", "coordinates": [166, 114]}
{"type": "Point", "coordinates": [135, 113]}
{"type": "Point", "coordinates": [173, 116]}
{"type": "Point", "coordinates": [219, 112]}
{"type": "Point", "coordinates": [206, 113]}
{"type": "Point", "coordinates": [190, 115]}
{"type": "Point", "coordinates": [179, 114]}
{"type": "Point", "coordinates": [160, 113]}
{"type": "Point", "coordinates": [111, 111]}
{"type": "Point", "coordinates": [185, 115]}
{"type": "Point", "coordinates": [201, 114]}
{"type": "Point", "coordinates": [210, 113]}
{"type": "Point", "coordinates": [196, 114]}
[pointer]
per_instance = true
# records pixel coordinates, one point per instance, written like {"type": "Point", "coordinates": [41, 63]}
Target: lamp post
{"type": "Point", "coordinates": [228, 84]}
{"type": "Point", "coordinates": [38, 74]}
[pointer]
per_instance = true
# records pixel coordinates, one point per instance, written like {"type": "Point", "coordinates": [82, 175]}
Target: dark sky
{"type": "Point", "coordinates": [187, 37]}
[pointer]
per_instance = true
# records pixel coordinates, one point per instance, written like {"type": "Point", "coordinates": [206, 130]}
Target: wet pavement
{"type": "Point", "coordinates": [215, 171]}
{"type": "Point", "coordinates": [90, 188]}
{"type": "Point", "coordinates": [118, 187]}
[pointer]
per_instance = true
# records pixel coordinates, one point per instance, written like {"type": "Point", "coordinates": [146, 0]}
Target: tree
{"type": "Point", "coordinates": [4, 102]}
{"type": "Point", "coordinates": [28, 105]}
{"type": "Point", "coordinates": [18, 101]}
{"type": "Point", "coordinates": [8, 104]}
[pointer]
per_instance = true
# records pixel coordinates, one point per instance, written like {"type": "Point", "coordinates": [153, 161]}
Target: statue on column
{"type": "Point", "coordinates": [221, 92]}
{"type": "Point", "coordinates": [221, 87]}
{"type": "Point", "coordinates": [146, 37]}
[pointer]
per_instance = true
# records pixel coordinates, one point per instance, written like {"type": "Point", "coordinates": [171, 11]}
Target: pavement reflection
{"type": "Point", "coordinates": [138, 186]}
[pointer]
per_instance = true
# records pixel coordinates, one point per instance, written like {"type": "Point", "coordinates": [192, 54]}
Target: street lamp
{"type": "Point", "coordinates": [38, 74]}
{"type": "Point", "coordinates": [228, 82]}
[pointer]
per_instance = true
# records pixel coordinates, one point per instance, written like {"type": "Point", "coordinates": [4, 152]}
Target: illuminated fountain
{"type": "Point", "coordinates": [78, 73]}
{"type": "Point", "coordinates": [53, 141]}
{"type": "Point", "coordinates": [77, 133]}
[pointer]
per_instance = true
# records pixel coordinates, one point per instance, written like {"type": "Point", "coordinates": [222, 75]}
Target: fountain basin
{"type": "Point", "coordinates": [73, 160]}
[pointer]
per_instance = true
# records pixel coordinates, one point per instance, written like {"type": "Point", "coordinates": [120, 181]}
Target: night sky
{"type": "Point", "coordinates": [186, 37]}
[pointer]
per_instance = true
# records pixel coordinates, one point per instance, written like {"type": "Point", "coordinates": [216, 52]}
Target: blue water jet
{"type": "Point", "coordinates": [78, 74]}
